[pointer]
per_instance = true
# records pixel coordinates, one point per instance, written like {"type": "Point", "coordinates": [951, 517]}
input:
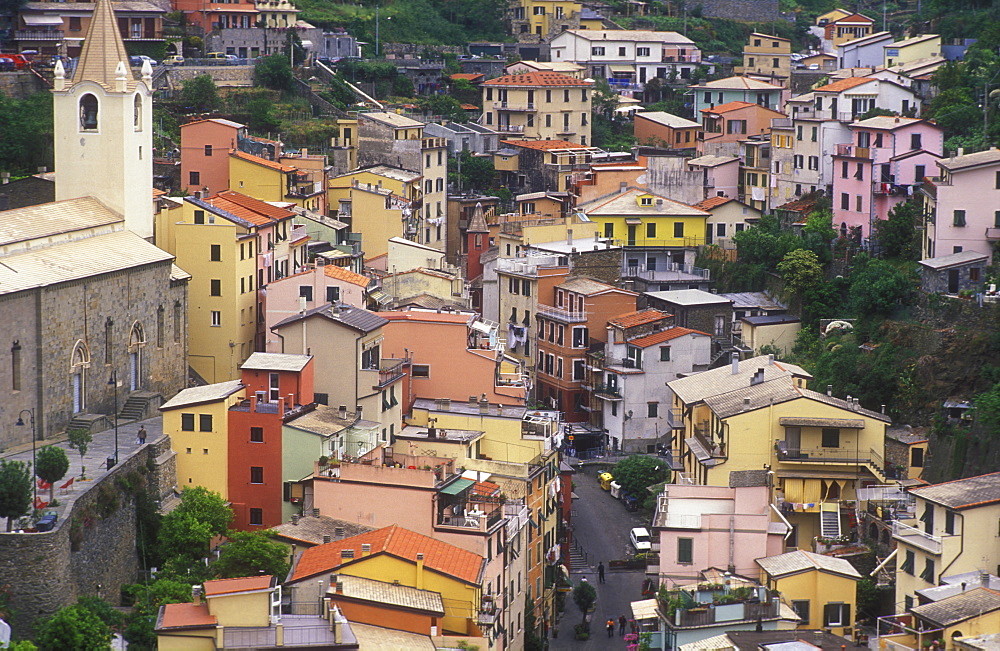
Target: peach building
{"type": "Point", "coordinates": [729, 123]}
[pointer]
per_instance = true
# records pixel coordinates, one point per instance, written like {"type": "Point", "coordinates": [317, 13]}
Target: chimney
{"type": "Point", "coordinates": [302, 304]}
{"type": "Point", "coordinates": [342, 412]}
{"type": "Point", "coordinates": [623, 187]}
{"type": "Point", "coordinates": [735, 358]}
{"type": "Point", "coordinates": [883, 409]}
{"type": "Point", "coordinates": [326, 538]}
{"type": "Point", "coordinates": [295, 519]}
{"type": "Point", "coordinates": [338, 587]}
{"type": "Point", "coordinates": [829, 390]}
{"type": "Point", "coordinates": [961, 151]}
{"type": "Point", "coordinates": [338, 532]}
{"type": "Point", "coordinates": [196, 594]}
{"type": "Point", "coordinates": [360, 411]}
{"type": "Point", "coordinates": [770, 360]}
{"type": "Point", "coordinates": [746, 403]}
{"type": "Point", "coordinates": [445, 404]}
{"type": "Point", "coordinates": [420, 572]}
{"type": "Point", "coordinates": [850, 402]}
{"type": "Point", "coordinates": [569, 236]}
{"type": "Point", "coordinates": [484, 406]}
{"type": "Point", "coordinates": [472, 400]}
{"type": "Point", "coordinates": [4, 178]}
{"type": "Point", "coordinates": [316, 512]}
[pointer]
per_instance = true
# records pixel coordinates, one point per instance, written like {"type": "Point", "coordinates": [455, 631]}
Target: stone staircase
{"type": "Point", "coordinates": [89, 422]}
{"type": "Point", "coordinates": [577, 559]}
{"type": "Point", "coordinates": [139, 405]}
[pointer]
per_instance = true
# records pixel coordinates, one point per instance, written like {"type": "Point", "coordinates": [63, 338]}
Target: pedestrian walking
{"type": "Point", "coordinates": [141, 438]}
{"type": "Point", "coordinates": [600, 572]}
{"type": "Point", "coordinates": [611, 628]}
{"type": "Point", "coordinates": [622, 622]}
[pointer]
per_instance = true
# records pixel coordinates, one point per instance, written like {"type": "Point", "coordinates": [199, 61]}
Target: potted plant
{"type": "Point", "coordinates": [582, 631]}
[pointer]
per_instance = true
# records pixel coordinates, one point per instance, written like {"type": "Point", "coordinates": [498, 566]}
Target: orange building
{"type": "Point", "coordinates": [569, 320]}
{"type": "Point", "coordinates": [279, 387]}
{"type": "Point", "coordinates": [205, 147]}
{"type": "Point", "coordinates": [658, 128]}
{"type": "Point", "coordinates": [732, 122]}
{"type": "Point", "coordinates": [218, 14]}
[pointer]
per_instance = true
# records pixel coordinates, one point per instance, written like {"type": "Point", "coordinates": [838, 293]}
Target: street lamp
{"type": "Point", "coordinates": [113, 382]}
{"type": "Point", "coordinates": [20, 423]}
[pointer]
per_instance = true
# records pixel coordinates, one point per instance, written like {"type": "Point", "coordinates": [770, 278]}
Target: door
{"type": "Point", "coordinates": [77, 394]}
{"type": "Point", "coordinates": [953, 281]}
{"type": "Point", "coordinates": [133, 371]}
{"type": "Point", "coordinates": [793, 442]}
{"type": "Point", "coordinates": [720, 325]}
{"type": "Point", "coordinates": [631, 234]}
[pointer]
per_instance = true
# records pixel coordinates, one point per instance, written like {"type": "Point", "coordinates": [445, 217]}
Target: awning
{"type": "Point", "coordinates": [839, 423]}
{"type": "Point", "coordinates": [645, 609]}
{"type": "Point", "coordinates": [633, 222]}
{"type": "Point", "coordinates": [43, 20]}
{"type": "Point", "coordinates": [457, 486]}
{"type": "Point", "coordinates": [627, 70]}
{"type": "Point", "coordinates": [380, 297]}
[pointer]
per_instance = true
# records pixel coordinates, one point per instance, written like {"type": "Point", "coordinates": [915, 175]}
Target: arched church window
{"type": "Point", "coordinates": [88, 112]}
{"type": "Point", "coordinates": [137, 112]}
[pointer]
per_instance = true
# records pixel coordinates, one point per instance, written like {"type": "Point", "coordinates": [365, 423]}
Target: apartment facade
{"type": "Point", "coordinates": [735, 89]}
{"type": "Point", "coordinates": [767, 56]}
{"type": "Point", "coordinates": [960, 203]}
{"type": "Point", "coordinates": [539, 106]}
{"type": "Point", "coordinates": [726, 125]}
{"type": "Point", "coordinates": [627, 58]}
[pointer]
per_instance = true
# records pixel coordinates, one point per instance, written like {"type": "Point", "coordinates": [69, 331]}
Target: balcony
{"type": "Point", "coordinates": [471, 520]}
{"type": "Point", "coordinates": [748, 611]}
{"type": "Point", "coordinates": [488, 612]}
{"type": "Point", "coordinates": [389, 371]}
{"type": "Point", "coordinates": [510, 128]}
{"type": "Point", "coordinates": [561, 315]}
{"type": "Point", "coordinates": [680, 58]}
{"type": "Point", "coordinates": [666, 272]}
{"type": "Point", "coordinates": [624, 362]}
{"type": "Point", "coordinates": [38, 35]}
{"type": "Point", "coordinates": [993, 233]}
{"type": "Point", "coordinates": [789, 454]}
{"type": "Point", "coordinates": [916, 537]}
{"type": "Point", "coordinates": [511, 106]}
{"type": "Point", "coordinates": [525, 266]}
{"type": "Point", "coordinates": [625, 84]}
{"type": "Point", "coordinates": [608, 392]}
{"type": "Point", "coordinates": [853, 151]}
{"type": "Point", "coordinates": [675, 418]}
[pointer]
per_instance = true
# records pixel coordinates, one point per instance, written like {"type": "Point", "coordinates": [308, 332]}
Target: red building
{"type": "Point", "coordinates": [279, 387]}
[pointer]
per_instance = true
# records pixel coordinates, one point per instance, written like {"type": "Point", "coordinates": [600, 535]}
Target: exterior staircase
{"type": "Point", "coordinates": [829, 520]}
{"type": "Point", "coordinates": [139, 406]}
{"type": "Point", "coordinates": [577, 559]}
{"type": "Point", "coordinates": [89, 422]}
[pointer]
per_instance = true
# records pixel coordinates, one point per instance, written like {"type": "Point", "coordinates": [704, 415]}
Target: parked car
{"type": "Point", "coordinates": [173, 59]}
{"type": "Point", "coordinates": [138, 59]}
{"type": "Point", "coordinates": [7, 65]}
{"type": "Point", "coordinates": [20, 60]}
{"type": "Point", "coordinates": [639, 537]}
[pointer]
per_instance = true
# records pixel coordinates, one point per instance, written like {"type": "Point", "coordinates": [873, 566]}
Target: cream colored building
{"type": "Point", "coordinates": [766, 55]}
{"type": "Point", "coordinates": [955, 531]}
{"type": "Point", "coordinates": [539, 106]}
{"type": "Point", "coordinates": [912, 49]}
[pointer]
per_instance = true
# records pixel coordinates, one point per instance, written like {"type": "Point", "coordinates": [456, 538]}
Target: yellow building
{"type": "Point", "coordinates": [822, 590]}
{"type": "Point", "coordinates": [950, 621]}
{"type": "Point", "coordinates": [831, 16]}
{"type": "Point", "coordinates": [234, 245]}
{"type": "Point", "coordinates": [758, 413]}
{"type": "Point", "coordinates": [543, 17]}
{"type": "Point", "coordinates": [196, 419]}
{"type": "Point", "coordinates": [912, 49]}
{"type": "Point", "coordinates": [270, 181]}
{"type": "Point", "coordinates": [377, 213]}
{"type": "Point", "coordinates": [641, 218]}
{"type": "Point", "coordinates": [954, 533]}
{"type": "Point", "coordinates": [539, 106]}
{"type": "Point", "coordinates": [766, 55]}
{"type": "Point", "coordinates": [402, 183]}
{"type": "Point", "coordinates": [397, 555]}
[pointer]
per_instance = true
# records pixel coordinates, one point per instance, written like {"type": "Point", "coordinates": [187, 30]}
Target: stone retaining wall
{"type": "Point", "coordinates": [43, 573]}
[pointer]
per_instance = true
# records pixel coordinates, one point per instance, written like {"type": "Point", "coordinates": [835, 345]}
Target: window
{"type": "Point", "coordinates": [959, 218]}
{"type": "Point", "coordinates": [187, 422]}
{"type": "Point", "coordinates": [996, 183]}
{"type": "Point", "coordinates": [720, 230]}
{"type": "Point", "coordinates": [215, 253]}
{"type": "Point", "coordinates": [566, 99]}
{"type": "Point", "coordinates": [857, 203]}
{"type": "Point", "coordinates": [199, 217]}
{"type": "Point", "coordinates": [421, 370]}
{"type": "Point", "coordinates": [642, 51]}
{"type": "Point", "coordinates": [797, 160]}
{"type": "Point", "coordinates": [652, 409]}
{"type": "Point", "coordinates": [914, 141]}
{"type": "Point", "coordinates": [597, 51]}
{"type": "Point", "coordinates": [843, 170]}
{"type": "Point", "coordinates": [74, 24]}
{"type": "Point", "coordinates": [664, 353]}
{"type": "Point", "coordinates": [736, 126]}
{"type": "Point", "coordinates": [801, 609]}
{"type": "Point", "coordinates": [332, 294]}
{"type": "Point", "coordinates": [256, 475]}
{"type": "Point", "coordinates": [845, 201]}
{"type": "Point", "coordinates": [621, 51]}
{"type": "Point", "coordinates": [579, 370]}
{"type": "Point", "coordinates": [609, 230]}
{"type": "Point", "coordinates": [814, 162]}
{"type": "Point", "coordinates": [204, 422]}
{"type": "Point", "coordinates": [651, 230]}
{"type": "Point", "coordinates": [194, 178]}
{"type": "Point", "coordinates": [678, 229]}
{"type": "Point", "coordinates": [908, 563]}
{"type": "Point", "coordinates": [208, 150]}
{"type": "Point", "coordinates": [917, 457]}
{"type": "Point", "coordinates": [581, 336]}
{"type": "Point", "coordinates": [256, 516]}
{"type": "Point", "coordinates": [813, 135]}
{"type": "Point", "coordinates": [685, 550]}
{"type": "Point", "coordinates": [949, 522]}
{"type": "Point", "coordinates": [216, 287]}
{"type": "Point", "coordinates": [88, 113]}
{"type": "Point", "coordinates": [798, 132]}
{"type": "Point", "coordinates": [928, 519]}
{"type": "Point", "coordinates": [928, 573]}
{"type": "Point", "coordinates": [837, 615]}
{"type": "Point", "coordinates": [216, 318]}
{"type": "Point", "coordinates": [256, 434]}
{"type": "Point", "coordinates": [370, 358]}
{"type": "Point", "coordinates": [831, 437]}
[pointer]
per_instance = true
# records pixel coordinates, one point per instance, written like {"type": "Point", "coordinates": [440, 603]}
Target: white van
{"type": "Point", "coordinates": [639, 537]}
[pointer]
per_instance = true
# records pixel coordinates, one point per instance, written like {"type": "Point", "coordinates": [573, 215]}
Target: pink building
{"type": "Point", "coordinates": [720, 175]}
{"type": "Point", "coordinates": [317, 285]}
{"type": "Point", "coordinates": [963, 204]}
{"type": "Point", "coordinates": [731, 122]}
{"type": "Point", "coordinates": [205, 147]}
{"type": "Point", "coordinates": [882, 166]}
{"type": "Point", "coordinates": [714, 526]}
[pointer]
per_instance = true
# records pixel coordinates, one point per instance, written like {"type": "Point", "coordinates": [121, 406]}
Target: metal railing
{"type": "Point", "coordinates": [706, 616]}
{"type": "Point", "coordinates": [853, 150]}
{"type": "Point", "coordinates": [916, 537]}
{"type": "Point", "coordinates": [666, 271]}
{"type": "Point", "coordinates": [509, 128]}
{"type": "Point", "coordinates": [514, 106]}
{"type": "Point", "coordinates": [390, 370]}
{"type": "Point", "coordinates": [559, 314]}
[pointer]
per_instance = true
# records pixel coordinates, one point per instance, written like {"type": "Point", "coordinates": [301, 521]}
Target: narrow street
{"type": "Point", "coordinates": [601, 528]}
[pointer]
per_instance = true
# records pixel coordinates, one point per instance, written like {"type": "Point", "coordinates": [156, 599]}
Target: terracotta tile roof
{"type": "Point", "coordinates": [537, 78]}
{"type": "Point", "coordinates": [712, 202]}
{"type": "Point", "coordinates": [663, 336]}
{"type": "Point", "coordinates": [435, 317]}
{"type": "Point", "coordinates": [545, 145]}
{"type": "Point", "coordinates": [854, 18]}
{"type": "Point", "coordinates": [185, 616]}
{"type": "Point", "coordinates": [729, 107]}
{"type": "Point", "coordinates": [263, 162]}
{"type": "Point", "coordinates": [843, 84]}
{"type": "Point", "coordinates": [240, 584]}
{"type": "Point", "coordinates": [439, 556]}
{"type": "Point", "coordinates": [469, 107]}
{"type": "Point", "coordinates": [346, 275]}
{"type": "Point", "coordinates": [468, 76]}
{"type": "Point", "coordinates": [249, 203]}
{"type": "Point", "coordinates": [799, 205]}
{"type": "Point", "coordinates": [638, 318]}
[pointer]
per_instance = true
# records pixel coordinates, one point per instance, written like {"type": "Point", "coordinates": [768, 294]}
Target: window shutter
{"type": "Point", "coordinates": [828, 613]}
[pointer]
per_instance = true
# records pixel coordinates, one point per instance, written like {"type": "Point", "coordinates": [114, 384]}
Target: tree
{"type": "Point", "coordinates": [897, 235]}
{"type": "Point", "coordinates": [200, 94]}
{"type": "Point", "coordinates": [15, 490]}
{"type": "Point", "coordinates": [584, 596]}
{"type": "Point", "coordinates": [877, 287]}
{"type": "Point", "coordinates": [73, 627]}
{"type": "Point", "coordinates": [274, 72]}
{"type": "Point", "coordinates": [260, 115]}
{"type": "Point", "coordinates": [477, 172]}
{"type": "Point", "coordinates": [51, 465]}
{"type": "Point", "coordinates": [249, 553]}
{"type": "Point", "coordinates": [208, 507]}
{"type": "Point", "coordinates": [107, 613]}
{"type": "Point", "coordinates": [801, 270]}
{"type": "Point", "coordinates": [532, 638]}
{"type": "Point", "coordinates": [182, 535]}
{"type": "Point", "coordinates": [80, 439]}
{"type": "Point", "coordinates": [637, 472]}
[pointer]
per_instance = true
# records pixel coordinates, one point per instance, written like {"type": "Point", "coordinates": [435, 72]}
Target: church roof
{"type": "Point", "coordinates": [103, 49]}
{"type": "Point", "coordinates": [478, 222]}
{"type": "Point", "coordinates": [55, 218]}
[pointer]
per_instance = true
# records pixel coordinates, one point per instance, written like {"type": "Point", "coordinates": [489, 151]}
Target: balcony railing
{"type": "Point", "coordinates": [681, 58]}
{"type": "Point", "coordinates": [510, 128]}
{"type": "Point", "coordinates": [993, 233]}
{"type": "Point", "coordinates": [624, 362]}
{"type": "Point", "coordinates": [514, 106]}
{"type": "Point", "coordinates": [559, 314]}
{"type": "Point", "coordinates": [737, 612]}
{"type": "Point", "coordinates": [916, 537]}
{"type": "Point", "coordinates": [675, 418]}
{"type": "Point", "coordinates": [38, 35]}
{"type": "Point", "coordinates": [608, 390]}
{"type": "Point", "coordinates": [854, 151]}
{"type": "Point", "coordinates": [389, 371]}
{"type": "Point", "coordinates": [665, 272]}
{"type": "Point", "coordinates": [488, 612]}
{"type": "Point", "coordinates": [475, 520]}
